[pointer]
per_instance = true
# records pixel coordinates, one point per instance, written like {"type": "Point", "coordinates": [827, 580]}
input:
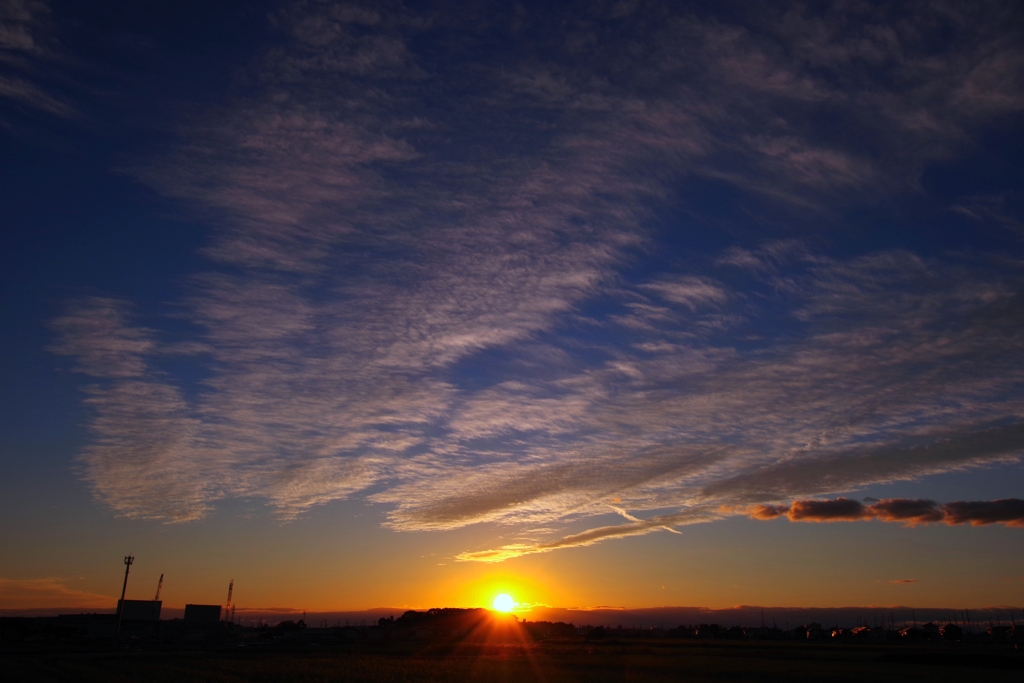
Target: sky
{"type": "Point", "coordinates": [597, 304]}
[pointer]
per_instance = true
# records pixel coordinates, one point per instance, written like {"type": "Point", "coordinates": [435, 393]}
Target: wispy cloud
{"type": "Point", "coordinates": [26, 41]}
{"type": "Point", "coordinates": [19, 22]}
{"type": "Point", "coordinates": [429, 305]}
{"type": "Point", "coordinates": [27, 93]}
{"type": "Point", "coordinates": [48, 592]}
{"type": "Point", "coordinates": [96, 331]}
{"type": "Point", "coordinates": [591, 536]}
{"type": "Point", "coordinates": [689, 291]}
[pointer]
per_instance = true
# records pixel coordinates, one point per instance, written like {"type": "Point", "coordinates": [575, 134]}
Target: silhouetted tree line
{"type": "Point", "coordinates": [450, 619]}
{"type": "Point", "coordinates": [539, 630]}
{"type": "Point", "coordinates": [455, 624]}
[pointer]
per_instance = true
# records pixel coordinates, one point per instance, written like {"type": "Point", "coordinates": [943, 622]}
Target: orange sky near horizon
{"type": "Point", "coordinates": [847, 566]}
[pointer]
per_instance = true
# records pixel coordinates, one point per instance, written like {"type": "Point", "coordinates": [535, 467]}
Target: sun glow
{"type": "Point", "coordinates": [504, 602]}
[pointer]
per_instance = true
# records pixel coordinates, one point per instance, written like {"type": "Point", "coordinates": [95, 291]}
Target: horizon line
{"type": "Point", "coordinates": [601, 608]}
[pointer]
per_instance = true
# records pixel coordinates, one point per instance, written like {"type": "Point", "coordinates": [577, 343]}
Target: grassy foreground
{"type": "Point", "coordinates": [552, 662]}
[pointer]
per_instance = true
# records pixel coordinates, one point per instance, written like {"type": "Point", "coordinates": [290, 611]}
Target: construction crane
{"type": "Point", "coordinates": [231, 588]}
{"type": "Point", "coordinates": [159, 585]}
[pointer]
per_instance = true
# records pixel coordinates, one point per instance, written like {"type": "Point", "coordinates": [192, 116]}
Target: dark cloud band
{"type": "Point", "coordinates": [1008, 511]}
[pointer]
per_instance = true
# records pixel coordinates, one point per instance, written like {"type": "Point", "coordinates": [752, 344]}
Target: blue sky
{"type": "Point", "coordinates": [526, 278]}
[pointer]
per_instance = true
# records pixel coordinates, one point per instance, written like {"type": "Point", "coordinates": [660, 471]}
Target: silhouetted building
{"type": "Point", "coordinates": [202, 614]}
{"type": "Point", "coordinates": [139, 610]}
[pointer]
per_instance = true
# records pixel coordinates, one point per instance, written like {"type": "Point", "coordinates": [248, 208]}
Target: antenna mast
{"type": "Point", "coordinates": [159, 585]}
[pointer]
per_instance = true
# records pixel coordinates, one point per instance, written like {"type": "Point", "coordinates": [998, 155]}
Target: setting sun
{"type": "Point", "coordinates": [504, 602]}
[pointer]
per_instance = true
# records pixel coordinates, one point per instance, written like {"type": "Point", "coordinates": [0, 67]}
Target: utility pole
{"type": "Point", "coordinates": [128, 559]}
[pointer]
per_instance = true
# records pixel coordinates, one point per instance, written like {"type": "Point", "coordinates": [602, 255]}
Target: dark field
{"type": "Point", "coordinates": [549, 661]}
